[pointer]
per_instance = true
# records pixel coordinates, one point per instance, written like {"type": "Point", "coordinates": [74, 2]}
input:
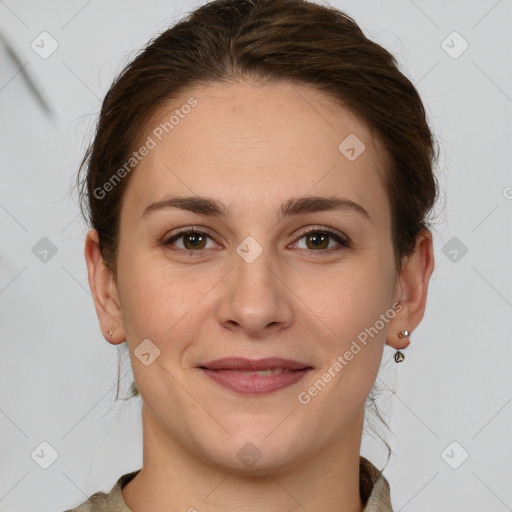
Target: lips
{"type": "Point", "coordinates": [242, 364]}
{"type": "Point", "coordinates": [255, 376]}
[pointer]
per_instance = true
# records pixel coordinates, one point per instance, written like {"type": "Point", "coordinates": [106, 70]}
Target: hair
{"type": "Point", "coordinates": [297, 41]}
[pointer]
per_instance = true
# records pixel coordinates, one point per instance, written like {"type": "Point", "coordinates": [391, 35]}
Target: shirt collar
{"type": "Point", "coordinates": [373, 486]}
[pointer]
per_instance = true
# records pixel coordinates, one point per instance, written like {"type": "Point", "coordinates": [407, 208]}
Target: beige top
{"type": "Point", "coordinates": [373, 486]}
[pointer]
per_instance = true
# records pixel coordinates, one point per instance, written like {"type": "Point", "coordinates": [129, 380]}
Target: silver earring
{"type": "Point", "coordinates": [110, 333]}
{"type": "Point", "coordinates": [399, 356]}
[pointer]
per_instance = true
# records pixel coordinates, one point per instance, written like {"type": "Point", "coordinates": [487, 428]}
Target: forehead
{"type": "Point", "coordinates": [257, 141]}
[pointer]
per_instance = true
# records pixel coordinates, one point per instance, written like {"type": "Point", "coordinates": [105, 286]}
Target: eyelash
{"type": "Point", "coordinates": [307, 231]}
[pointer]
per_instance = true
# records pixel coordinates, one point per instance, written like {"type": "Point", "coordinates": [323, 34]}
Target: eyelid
{"type": "Point", "coordinates": [324, 229]}
{"type": "Point", "coordinates": [343, 240]}
{"type": "Point", "coordinates": [187, 231]}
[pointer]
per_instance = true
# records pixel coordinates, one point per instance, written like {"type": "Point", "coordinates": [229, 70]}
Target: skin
{"type": "Point", "coordinates": [253, 147]}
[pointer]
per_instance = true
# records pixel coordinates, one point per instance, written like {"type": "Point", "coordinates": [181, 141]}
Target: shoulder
{"type": "Point", "coordinates": [374, 488]}
{"type": "Point", "coordinates": [95, 503]}
{"type": "Point", "coordinates": [111, 501]}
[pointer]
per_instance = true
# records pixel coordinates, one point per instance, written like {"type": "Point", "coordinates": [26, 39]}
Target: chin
{"type": "Point", "coordinates": [256, 454]}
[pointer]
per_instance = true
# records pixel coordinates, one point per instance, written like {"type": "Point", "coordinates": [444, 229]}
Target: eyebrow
{"type": "Point", "coordinates": [294, 206]}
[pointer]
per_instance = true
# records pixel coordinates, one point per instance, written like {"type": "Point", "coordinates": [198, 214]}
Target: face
{"type": "Point", "coordinates": [266, 276]}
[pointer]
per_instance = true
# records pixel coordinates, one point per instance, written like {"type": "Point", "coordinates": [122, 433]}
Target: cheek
{"type": "Point", "coordinates": [359, 312]}
{"type": "Point", "coordinates": [361, 291]}
{"type": "Point", "coordinates": [354, 357]}
{"type": "Point", "coordinates": [159, 301]}
{"type": "Point", "coordinates": [146, 294]}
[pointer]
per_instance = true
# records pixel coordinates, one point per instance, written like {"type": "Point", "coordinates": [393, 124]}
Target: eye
{"type": "Point", "coordinates": [317, 239]}
{"type": "Point", "coordinates": [194, 241]}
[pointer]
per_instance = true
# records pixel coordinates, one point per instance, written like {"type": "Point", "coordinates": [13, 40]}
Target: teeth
{"type": "Point", "coordinates": [263, 373]}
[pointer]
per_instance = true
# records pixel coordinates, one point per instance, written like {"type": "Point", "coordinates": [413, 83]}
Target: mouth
{"type": "Point", "coordinates": [255, 376]}
{"type": "Point", "coordinates": [256, 365]}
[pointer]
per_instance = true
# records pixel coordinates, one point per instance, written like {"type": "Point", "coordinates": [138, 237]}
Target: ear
{"type": "Point", "coordinates": [104, 291]}
{"type": "Point", "coordinates": [411, 290]}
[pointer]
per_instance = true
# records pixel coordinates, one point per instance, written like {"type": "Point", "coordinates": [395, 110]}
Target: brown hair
{"type": "Point", "coordinates": [293, 40]}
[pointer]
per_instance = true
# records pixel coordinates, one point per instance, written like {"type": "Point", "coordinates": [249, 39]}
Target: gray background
{"type": "Point", "coordinates": [58, 374]}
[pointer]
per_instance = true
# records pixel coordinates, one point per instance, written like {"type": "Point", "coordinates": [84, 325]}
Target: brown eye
{"type": "Point", "coordinates": [193, 241]}
{"type": "Point", "coordinates": [319, 239]}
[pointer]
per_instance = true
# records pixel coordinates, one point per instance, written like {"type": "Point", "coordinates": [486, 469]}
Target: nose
{"type": "Point", "coordinates": [255, 297]}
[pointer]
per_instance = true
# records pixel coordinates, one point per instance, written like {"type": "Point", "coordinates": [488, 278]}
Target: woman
{"type": "Point", "coordinates": [258, 190]}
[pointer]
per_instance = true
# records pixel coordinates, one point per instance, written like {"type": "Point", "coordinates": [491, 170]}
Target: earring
{"type": "Point", "coordinates": [110, 333]}
{"type": "Point", "coordinates": [399, 356]}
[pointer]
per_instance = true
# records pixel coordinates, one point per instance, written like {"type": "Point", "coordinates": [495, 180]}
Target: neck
{"type": "Point", "coordinates": [175, 478]}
